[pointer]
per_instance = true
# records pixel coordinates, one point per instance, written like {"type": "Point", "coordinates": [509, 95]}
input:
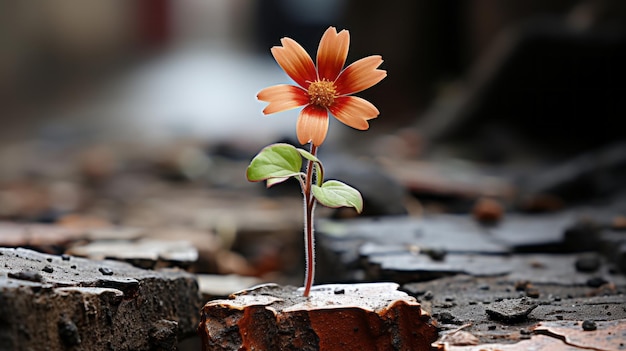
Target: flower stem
{"type": "Point", "coordinates": [309, 242]}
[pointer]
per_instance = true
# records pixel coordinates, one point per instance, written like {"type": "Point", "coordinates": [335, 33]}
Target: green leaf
{"type": "Point", "coordinates": [309, 156]}
{"type": "Point", "coordinates": [273, 181]}
{"type": "Point", "coordinates": [275, 161]}
{"type": "Point", "coordinates": [334, 194]}
{"type": "Point", "coordinates": [319, 173]}
{"type": "Point", "coordinates": [317, 164]}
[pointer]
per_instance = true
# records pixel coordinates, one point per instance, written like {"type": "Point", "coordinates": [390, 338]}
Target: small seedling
{"type": "Point", "coordinates": [322, 89]}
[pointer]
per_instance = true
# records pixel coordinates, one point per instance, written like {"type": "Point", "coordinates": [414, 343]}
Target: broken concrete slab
{"type": "Point", "coordinates": [402, 237]}
{"type": "Point", "coordinates": [56, 238]}
{"type": "Point", "coordinates": [50, 302]}
{"type": "Point", "coordinates": [539, 268]}
{"type": "Point", "coordinates": [44, 237]}
{"type": "Point", "coordinates": [541, 233]}
{"type": "Point", "coordinates": [355, 240]}
{"type": "Point", "coordinates": [447, 232]}
{"type": "Point", "coordinates": [214, 286]}
{"type": "Point", "coordinates": [409, 267]}
{"type": "Point", "coordinates": [333, 317]}
{"type": "Point", "coordinates": [143, 253]}
{"type": "Point", "coordinates": [165, 246]}
{"type": "Point", "coordinates": [438, 245]}
{"type": "Point", "coordinates": [511, 310]}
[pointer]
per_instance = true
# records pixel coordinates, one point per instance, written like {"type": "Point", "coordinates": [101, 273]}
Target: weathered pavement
{"type": "Point", "coordinates": [52, 302]}
{"type": "Point", "coordinates": [492, 284]}
{"type": "Point", "coordinates": [500, 284]}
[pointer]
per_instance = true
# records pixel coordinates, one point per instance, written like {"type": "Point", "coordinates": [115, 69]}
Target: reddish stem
{"type": "Point", "coordinates": [309, 242]}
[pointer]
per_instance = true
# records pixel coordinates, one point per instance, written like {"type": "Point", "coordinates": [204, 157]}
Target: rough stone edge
{"type": "Point", "coordinates": [97, 314]}
{"type": "Point", "coordinates": [262, 321]}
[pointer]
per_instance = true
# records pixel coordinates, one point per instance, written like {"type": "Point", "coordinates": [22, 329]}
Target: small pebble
{"type": "Point", "coordinates": [436, 254]}
{"type": "Point", "coordinates": [26, 275]}
{"type": "Point", "coordinates": [49, 259]}
{"type": "Point", "coordinates": [532, 292]}
{"type": "Point", "coordinates": [521, 285]}
{"type": "Point", "coordinates": [105, 271]}
{"type": "Point", "coordinates": [488, 211]}
{"type": "Point", "coordinates": [537, 264]}
{"type": "Point", "coordinates": [596, 282]}
{"type": "Point", "coordinates": [65, 257]}
{"type": "Point", "coordinates": [588, 264]}
{"type": "Point", "coordinates": [446, 318]}
{"type": "Point", "coordinates": [68, 332]}
{"type": "Point", "coordinates": [589, 325]}
{"type": "Point", "coordinates": [511, 311]}
{"type": "Point", "coordinates": [446, 305]}
{"type": "Point", "coordinates": [48, 269]}
{"type": "Point", "coordinates": [339, 291]}
{"type": "Point", "coordinates": [619, 223]}
{"type": "Point", "coordinates": [484, 287]}
{"type": "Point", "coordinates": [428, 295]}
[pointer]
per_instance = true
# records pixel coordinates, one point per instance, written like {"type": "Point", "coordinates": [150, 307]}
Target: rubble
{"type": "Point", "coordinates": [510, 311]}
{"type": "Point", "coordinates": [334, 317]}
{"type": "Point", "coordinates": [496, 279]}
{"type": "Point", "coordinates": [50, 302]}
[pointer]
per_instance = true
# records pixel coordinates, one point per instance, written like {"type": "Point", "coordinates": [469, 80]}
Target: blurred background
{"type": "Point", "coordinates": [150, 69]}
{"type": "Point", "coordinates": [143, 114]}
{"type": "Point", "coordinates": [126, 126]}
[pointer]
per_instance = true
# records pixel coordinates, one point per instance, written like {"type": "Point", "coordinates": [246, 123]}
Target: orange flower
{"type": "Point", "coordinates": [323, 88]}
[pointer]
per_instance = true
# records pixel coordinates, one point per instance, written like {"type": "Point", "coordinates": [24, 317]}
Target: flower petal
{"type": "Point", "coordinates": [354, 111]}
{"type": "Point", "coordinates": [282, 98]}
{"type": "Point", "coordinates": [295, 61]}
{"type": "Point", "coordinates": [360, 75]}
{"type": "Point", "coordinates": [312, 125]}
{"type": "Point", "coordinates": [332, 53]}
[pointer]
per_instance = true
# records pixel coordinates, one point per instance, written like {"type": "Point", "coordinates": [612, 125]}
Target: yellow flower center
{"type": "Point", "coordinates": [322, 93]}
